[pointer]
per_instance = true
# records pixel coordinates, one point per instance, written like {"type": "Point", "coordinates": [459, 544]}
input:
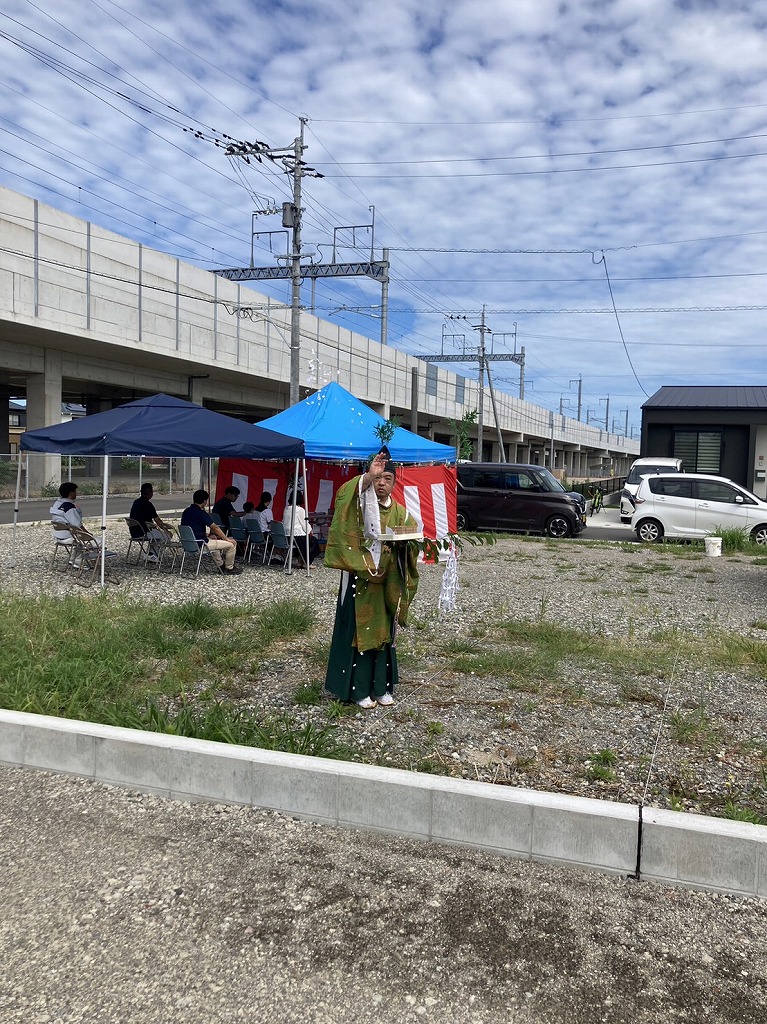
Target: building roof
{"type": "Point", "coordinates": [728, 396]}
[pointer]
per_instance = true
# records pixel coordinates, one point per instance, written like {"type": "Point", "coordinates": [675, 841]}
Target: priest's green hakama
{"type": "Point", "coordinates": [378, 583]}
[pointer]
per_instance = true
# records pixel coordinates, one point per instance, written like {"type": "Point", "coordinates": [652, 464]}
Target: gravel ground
{"type": "Point", "coordinates": [477, 700]}
{"type": "Point", "coordinates": [119, 906]}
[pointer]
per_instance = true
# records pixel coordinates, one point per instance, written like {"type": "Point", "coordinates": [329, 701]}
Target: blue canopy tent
{"type": "Point", "coordinates": [166, 426]}
{"type": "Point", "coordinates": [158, 425]}
{"type": "Point", "coordinates": [336, 426]}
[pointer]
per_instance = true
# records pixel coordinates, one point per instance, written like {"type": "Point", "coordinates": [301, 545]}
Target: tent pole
{"type": "Point", "coordinates": [104, 518]}
{"type": "Point", "coordinates": [306, 513]}
{"type": "Point", "coordinates": [16, 511]}
{"type": "Point", "coordinates": [292, 520]}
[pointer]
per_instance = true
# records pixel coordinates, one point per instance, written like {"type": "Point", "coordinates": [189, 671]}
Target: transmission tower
{"type": "Point", "coordinates": [483, 358]}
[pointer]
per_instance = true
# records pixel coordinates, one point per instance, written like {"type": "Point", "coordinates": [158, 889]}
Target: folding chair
{"type": "Point", "coordinates": [61, 544]}
{"type": "Point", "coordinates": [168, 544]}
{"type": "Point", "coordinates": [86, 554]}
{"type": "Point", "coordinates": [143, 544]}
{"type": "Point", "coordinates": [238, 532]}
{"type": "Point", "coordinates": [197, 548]}
{"type": "Point", "coordinates": [217, 519]}
{"type": "Point", "coordinates": [281, 544]}
{"type": "Point", "coordinates": [256, 539]}
{"type": "Point", "coordinates": [278, 542]}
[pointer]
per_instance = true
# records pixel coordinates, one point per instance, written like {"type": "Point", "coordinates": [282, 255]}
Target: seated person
{"type": "Point", "coordinates": [65, 511]}
{"type": "Point", "coordinates": [224, 507]}
{"type": "Point", "coordinates": [301, 528]}
{"type": "Point", "coordinates": [144, 512]}
{"type": "Point", "coordinates": [207, 532]}
{"type": "Point", "coordinates": [264, 512]}
{"type": "Point", "coordinates": [248, 512]}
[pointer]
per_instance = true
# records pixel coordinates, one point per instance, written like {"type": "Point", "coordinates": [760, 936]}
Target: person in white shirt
{"type": "Point", "coordinates": [65, 511]}
{"type": "Point", "coordinates": [301, 527]}
{"type": "Point", "coordinates": [264, 512]}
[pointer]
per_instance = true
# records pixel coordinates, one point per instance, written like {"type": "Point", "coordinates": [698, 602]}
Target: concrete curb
{"type": "Point", "coordinates": [679, 849]}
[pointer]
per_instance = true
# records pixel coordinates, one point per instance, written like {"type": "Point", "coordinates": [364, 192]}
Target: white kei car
{"type": "Point", "coordinates": [692, 506]}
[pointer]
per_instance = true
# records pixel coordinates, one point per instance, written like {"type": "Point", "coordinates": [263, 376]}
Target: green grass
{"type": "Point", "coordinates": [693, 729]}
{"type": "Point", "coordinates": [309, 694]}
{"type": "Point", "coordinates": [735, 812]}
{"type": "Point", "coordinates": [223, 723]}
{"type": "Point", "coordinates": [734, 539]}
{"type": "Point", "coordinates": [97, 659]}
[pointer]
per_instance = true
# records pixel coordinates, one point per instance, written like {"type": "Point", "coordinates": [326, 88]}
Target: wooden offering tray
{"type": "Point", "coordinates": [394, 533]}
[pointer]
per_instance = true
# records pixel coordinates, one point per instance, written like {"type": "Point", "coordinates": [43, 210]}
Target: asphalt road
{"type": "Point", "coordinates": [605, 525]}
{"type": "Point", "coordinates": [38, 510]}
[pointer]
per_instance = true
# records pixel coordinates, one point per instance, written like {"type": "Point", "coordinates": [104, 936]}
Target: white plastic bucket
{"type": "Point", "coordinates": [713, 546]}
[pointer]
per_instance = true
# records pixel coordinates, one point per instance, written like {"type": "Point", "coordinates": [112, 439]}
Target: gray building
{"type": "Point", "coordinates": [720, 430]}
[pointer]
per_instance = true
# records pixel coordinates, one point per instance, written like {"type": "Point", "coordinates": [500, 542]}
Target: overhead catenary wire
{"type": "Point", "coordinates": [603, 260]}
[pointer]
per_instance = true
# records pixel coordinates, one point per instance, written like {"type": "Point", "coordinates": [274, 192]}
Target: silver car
{"type": "Point", "coordinates": [639, 469]}
{"type": "Point", "coordinates": [692, 506]}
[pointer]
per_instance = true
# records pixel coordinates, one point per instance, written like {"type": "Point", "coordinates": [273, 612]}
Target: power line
{"type": "Point", "coordinates": [547, 156]}
{"type": "Point", "coordinates": [552, 121]}
{"type": "Point", "coordinates": [562, 170]}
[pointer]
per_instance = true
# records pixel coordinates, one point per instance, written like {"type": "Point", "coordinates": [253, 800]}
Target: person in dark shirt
{"type": "Point", "coordinates": [224, 507]}
{"type": "Point", "coordinates": [206, 531]}
{"type": "Point", "coordinates": [148, 523]}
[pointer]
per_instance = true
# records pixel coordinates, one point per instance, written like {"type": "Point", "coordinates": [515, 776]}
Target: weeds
{"type": "Point", "coordinates": [735, 812]}
{"type": "Point", "coordinates": [734, 539]}
{"type": "Point", "coordinates": [599, 767]}
{"type": "Point", "coordinates": [223, 723]}
{"type": "Point", "coordinates": [694, 729]}
{"type": "Point", "coordinates": [309, 694]}
{"type": "Point", "coordinates": [286, 619]}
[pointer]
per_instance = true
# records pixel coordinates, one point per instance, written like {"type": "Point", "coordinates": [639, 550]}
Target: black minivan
{"type": "Point", "coordinates": [505, 496]}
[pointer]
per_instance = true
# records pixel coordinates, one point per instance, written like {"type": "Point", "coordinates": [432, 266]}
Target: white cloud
{"type": "Point", "coordinates": [485, 78]}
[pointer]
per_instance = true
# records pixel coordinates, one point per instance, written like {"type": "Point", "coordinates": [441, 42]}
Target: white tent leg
{"type": "Point", "coordinates": [306, 511]}
{"type": "Point", "coordinates": [16, 512]}
{"type": "Point", "coordinates": [289, 561]}
{"type": "Point", "coordinates": [104, 518]}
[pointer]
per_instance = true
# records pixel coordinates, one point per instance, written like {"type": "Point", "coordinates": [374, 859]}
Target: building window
{"type": "Point", "coordinates": [431, 379]}
{"type": "Point", "coordinates": [460, 390]}
{"type": "Point", "coordinates": [14, 419]}
{"type": "Point", "coordinates": [699, 450]}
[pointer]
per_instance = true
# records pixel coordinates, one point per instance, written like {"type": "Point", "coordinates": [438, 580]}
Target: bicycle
{"type": "Point", "coordinates": [596, 500]}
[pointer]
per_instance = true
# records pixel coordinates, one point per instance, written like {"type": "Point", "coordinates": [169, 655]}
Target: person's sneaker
{"type": "Point", "coordinates": [234, 571]}
{"type": "Point", "coordinates": [366, 704]}
{"type": "Point", "coordinates": [386, 700]}
{"type": "Point", "coordinates": [152, 558]}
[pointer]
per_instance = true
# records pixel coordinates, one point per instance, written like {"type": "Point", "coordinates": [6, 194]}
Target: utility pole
{"type": "Point", "coordinates": [579, 382]}
{"type": "Point", "coordinates": [291, 158]}
{"type": "Point", "coordinates": [295, 267]}
{"type": "Point", "coordinates": [482, 328]}
{"type": "Point", "coordinates": [483, 359]}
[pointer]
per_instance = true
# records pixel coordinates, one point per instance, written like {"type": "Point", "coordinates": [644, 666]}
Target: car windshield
{"type": "Point", "coordinates": [637, 472]}
{"type": "Point", "coordinates": [547, 480]}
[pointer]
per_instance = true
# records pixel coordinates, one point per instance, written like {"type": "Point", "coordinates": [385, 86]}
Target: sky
{"type": "Point", "coordinates": [591, 172]}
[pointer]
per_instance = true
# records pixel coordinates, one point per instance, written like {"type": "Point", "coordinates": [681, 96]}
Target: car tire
{"type": "Point", "coordinates": [558, 526]}
{"type": "Point", "coordinates": [462, 521]}
{"type": "Point", "coordinates": [649, 531]}
{"type": "Point", "coordinates": [759, 534]}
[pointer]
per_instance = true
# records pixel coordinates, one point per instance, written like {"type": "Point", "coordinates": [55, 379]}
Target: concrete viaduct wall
{"type": "Point", "coordinates": [90, 315]}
